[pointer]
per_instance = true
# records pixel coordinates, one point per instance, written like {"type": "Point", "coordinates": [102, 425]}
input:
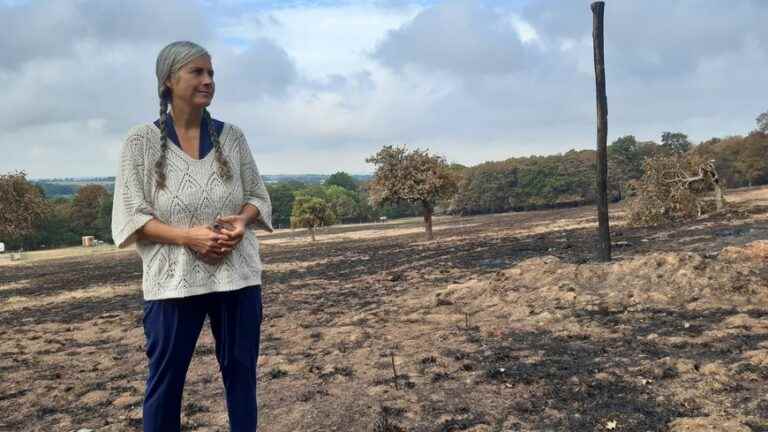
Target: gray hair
{"type": "Point", "coordinates": [170, 59]}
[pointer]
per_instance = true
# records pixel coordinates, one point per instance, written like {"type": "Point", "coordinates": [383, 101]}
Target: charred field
{"type": "Point", "coordinates": [502, 323]}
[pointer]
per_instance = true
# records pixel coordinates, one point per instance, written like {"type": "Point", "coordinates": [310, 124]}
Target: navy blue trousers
{"type": "Point", "coordinates": [172, 327]}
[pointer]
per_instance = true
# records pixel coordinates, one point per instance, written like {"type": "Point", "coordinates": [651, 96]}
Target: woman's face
{"type": "Point", "coordinates": [193, 84]}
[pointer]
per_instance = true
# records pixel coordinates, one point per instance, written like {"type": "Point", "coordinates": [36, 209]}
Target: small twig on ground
{"type": "Point", "coordinates": [394, 371]}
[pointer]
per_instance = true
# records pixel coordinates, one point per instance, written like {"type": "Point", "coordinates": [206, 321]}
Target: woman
{"type": "Point", "coordinates": [186, 193]}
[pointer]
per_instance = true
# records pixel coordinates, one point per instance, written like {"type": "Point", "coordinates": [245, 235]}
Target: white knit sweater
{"type": "Point", "coordinates": [194, 195]}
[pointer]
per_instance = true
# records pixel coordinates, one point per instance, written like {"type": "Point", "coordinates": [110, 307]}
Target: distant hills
{"type": "Point", "coordinates": [68, 186]}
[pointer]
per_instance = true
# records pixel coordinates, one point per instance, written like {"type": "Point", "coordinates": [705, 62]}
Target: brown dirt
{"type": "Point", "coordinates": [503, 323]}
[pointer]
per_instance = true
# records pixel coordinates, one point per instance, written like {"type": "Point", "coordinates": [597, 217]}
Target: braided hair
{"type": "Point", "coordinates": [222, 168]}
{"type": "Point", "coordinates": [172, 58]}
{"type": "Point", "coordinates": [161, 161]}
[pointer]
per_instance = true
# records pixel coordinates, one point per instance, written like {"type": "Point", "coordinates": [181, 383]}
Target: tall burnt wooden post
{"type": "Point", "coordinates": [604, 242]}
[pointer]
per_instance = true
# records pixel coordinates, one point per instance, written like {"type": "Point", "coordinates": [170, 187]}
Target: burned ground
{"type": "Point", "coordinates": [503, 323]}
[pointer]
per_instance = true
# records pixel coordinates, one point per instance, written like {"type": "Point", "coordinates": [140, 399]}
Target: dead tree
{"type": "Point", "coordinates": [667, 192]}
{"type": "Point", "coordinates": [706, 173]}
{"type": "Point", "coordinates": [604, 242]}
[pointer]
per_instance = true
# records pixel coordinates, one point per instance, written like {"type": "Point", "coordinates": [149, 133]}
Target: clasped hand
{"type": "Point", "coordinates": [212, 243]}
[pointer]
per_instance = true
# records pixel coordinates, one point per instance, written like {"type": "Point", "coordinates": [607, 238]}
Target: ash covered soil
{"type": "Point", "coordinates": [503, 323]}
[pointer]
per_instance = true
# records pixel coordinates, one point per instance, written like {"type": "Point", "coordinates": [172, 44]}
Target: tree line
{"type": "Point", "coordinates": [568, 179]}
{"type": "Point", "coordinates": [31, 221]}
{"type": "Point", "coordinates": [407, 183]}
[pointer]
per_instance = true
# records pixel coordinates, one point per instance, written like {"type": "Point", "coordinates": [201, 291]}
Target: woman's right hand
{"type": "Point", "coordinates": [204, 242]}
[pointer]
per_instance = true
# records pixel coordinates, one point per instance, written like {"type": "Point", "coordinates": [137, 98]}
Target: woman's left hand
{"type": "Point", "coordinates": [234, 229]}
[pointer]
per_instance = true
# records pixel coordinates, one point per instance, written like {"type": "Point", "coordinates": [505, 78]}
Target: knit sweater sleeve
{"type": "Point", "coordinates": [254, 190]}
{"type": "Point", "coordinates": [131, 209]}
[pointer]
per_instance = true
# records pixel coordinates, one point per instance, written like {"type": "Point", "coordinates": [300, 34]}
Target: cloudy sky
{"type": "Point", "coordinates": [317, 86]}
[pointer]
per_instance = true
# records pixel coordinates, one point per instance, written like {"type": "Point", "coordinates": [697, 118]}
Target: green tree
{"type": "Point", "coordinates": [397, 210]}
{"type": "Point", "coordinates": [341, 179]}
{"type": "Point", "coordinates": [762, 122]}
{"type": "Point", "coordinates": [311, 212]}
{"type": "Point", "coordinates": [486, 188]}
{"type": "Point", "coordinates": [675, 142]}
{"type": "Point", "coordinates": [527, 183]}
{"type": "Point", "coordinates": [625, 159]}
{"type": "Point", "coordinates": [55, 230]}
{"type": "Point", "coordinates": [557, 180]}
{"type": "Point", "coordinates": [104, 219]}
{"type": "Point", "coordinates": [22, 206]}
{"type": "Point", "coordinates": [282, 198]}
{"type": "Point", "coordinates": [365, 211]}
{"type": "Point", "coordinates": [316, 191]}
{"type": "Point", "coordinates": [370, 212]}
{"type": "Point", "coordinates": [414, 176]}
{"type": "Point", "coordinates": [343, 202]}
{"type": "Point", "coordinates": [647, 149]}
{"type": "Point", "coordinates": [86, 208]}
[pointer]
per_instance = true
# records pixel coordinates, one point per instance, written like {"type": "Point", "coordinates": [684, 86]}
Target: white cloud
{"type": "Point", "coordinates": [321, 40]}
{"type": "Point", "coordinates": [458, 36]}
{"type": "Point", "coordinates": [60, 149]}
{"type": "Point", "coordinates": [318, 87]}
{"type": "Point", "coordinates": [45, 30]}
